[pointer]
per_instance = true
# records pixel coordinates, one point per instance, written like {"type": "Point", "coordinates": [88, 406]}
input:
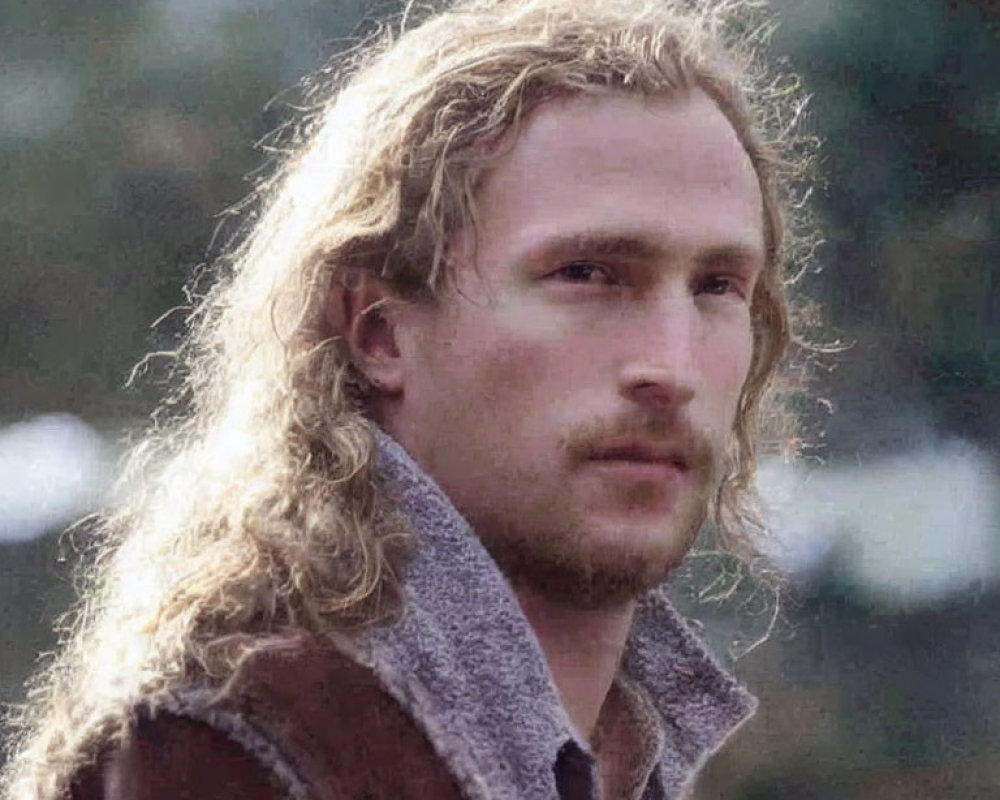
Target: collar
{"type": "Point", "coordinates": [466, 664]}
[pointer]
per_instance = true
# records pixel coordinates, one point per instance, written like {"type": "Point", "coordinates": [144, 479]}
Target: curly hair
{"type": "Point", "coordinates": [255, 508]}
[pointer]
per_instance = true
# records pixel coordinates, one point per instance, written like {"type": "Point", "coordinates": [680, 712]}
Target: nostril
{"type": "Point", "coordinates": [657, 386]}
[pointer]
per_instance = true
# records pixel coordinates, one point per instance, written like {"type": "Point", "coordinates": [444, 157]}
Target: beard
{"type": "Point", "coordinates": [563, 572]}
{"type": "Point", "coordinates": [549, 543]}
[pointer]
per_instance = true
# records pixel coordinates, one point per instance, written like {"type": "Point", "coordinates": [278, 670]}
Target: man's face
{"type": "Point", "coordinates": [573, 396]}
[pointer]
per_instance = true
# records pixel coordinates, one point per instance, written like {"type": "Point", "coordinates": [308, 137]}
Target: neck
{"type": "Point", "coordinates": [583, 648]}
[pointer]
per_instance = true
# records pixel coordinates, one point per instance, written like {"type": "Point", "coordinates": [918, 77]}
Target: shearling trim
{"type": "Point", "coordinates": [465, 664]}
{"type": "Point", "coordinates": [687, 787]}
{"type": "Point", "coordinates": [463, 660]}
{"type": "Point", "coordinates": [196, 704]}
{"type": "Point", "coordinates": [699, 701]}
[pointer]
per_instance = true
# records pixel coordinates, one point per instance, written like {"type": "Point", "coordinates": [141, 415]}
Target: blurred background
{"type": "Point", "coordinates": [127, 128]}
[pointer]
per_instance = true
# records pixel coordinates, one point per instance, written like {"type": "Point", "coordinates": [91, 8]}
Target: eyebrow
{"type": "Point", "coordinates": [634, 246]}
{"type": "Point", "coordinates": [598, 244]}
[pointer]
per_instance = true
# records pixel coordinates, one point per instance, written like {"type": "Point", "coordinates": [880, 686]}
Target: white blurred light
{"type": "Point", "coordinates": [53, 469]}
{"type": "Point", "coordinates": [912, 528]}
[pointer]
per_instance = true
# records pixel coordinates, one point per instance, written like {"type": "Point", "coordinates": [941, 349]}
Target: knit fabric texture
{"type": "Point", "coordinates": [467, 666]}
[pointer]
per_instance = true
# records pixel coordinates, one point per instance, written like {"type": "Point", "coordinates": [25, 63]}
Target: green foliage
{"type": "Point", "coordinates": [907, 99]}
{"type": "Point", "coordinates": [111, 205]}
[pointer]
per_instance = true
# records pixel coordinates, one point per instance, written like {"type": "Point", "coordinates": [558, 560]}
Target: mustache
{"type": "Point", "coordinates": [678, 435]}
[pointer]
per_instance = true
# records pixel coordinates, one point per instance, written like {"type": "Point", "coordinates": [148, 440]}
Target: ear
{"type": "Point", "coordinates": [359, 308]}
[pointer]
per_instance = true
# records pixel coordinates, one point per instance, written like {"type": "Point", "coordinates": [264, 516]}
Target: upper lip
{"type": "Point", "coordinates": [642, 451]}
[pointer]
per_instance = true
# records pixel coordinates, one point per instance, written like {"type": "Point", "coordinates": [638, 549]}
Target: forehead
{"type": "Point", "coordinates": [669, 171]}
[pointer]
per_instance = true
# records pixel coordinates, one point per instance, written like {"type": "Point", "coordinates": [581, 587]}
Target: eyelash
{"type": "Point", "coordinates": [564, 272]}
{"type": "Point", "coordinates": [728, 284]}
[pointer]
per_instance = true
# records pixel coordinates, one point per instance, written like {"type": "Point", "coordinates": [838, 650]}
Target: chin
{"type": "Point", "coordinates": [594, 571]}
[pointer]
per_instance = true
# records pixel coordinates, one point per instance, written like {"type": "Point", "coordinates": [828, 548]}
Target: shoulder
{"type": "Point", "coordinates": [343, 727]}
{"type": "Point", "coordinates": [168, 756]}
{"type": "Point", "coordinates": [300, 718]}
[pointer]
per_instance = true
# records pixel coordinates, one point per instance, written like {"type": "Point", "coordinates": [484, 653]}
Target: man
{"type": "Point", "coordinates": [495, 348]}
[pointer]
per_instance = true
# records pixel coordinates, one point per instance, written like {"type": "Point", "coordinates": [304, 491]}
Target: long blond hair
{"type": "Point", "coordinates": [254, 509]}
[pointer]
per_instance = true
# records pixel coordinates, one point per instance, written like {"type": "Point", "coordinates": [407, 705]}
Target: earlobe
{"type": "Point", "coordinates": [359, 309]}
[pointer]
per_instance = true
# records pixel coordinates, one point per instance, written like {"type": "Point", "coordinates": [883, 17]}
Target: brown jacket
{"type": "Point", "coordinates": [300, 721]}
{"type": "Point", "coordinates": [453, 700]}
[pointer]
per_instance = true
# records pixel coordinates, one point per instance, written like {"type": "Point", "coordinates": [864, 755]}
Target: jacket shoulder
{"type": "Point", "coordinates": [170, 757]}
{"type": "Point", "coordinates": [299, 719]}
{"type": "Point", "coordinates": [340, 726]}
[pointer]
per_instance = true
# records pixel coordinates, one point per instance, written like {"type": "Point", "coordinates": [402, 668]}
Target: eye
{"type": "Point", "coordinates": [585, 272]}
{"type": "Point", "coordinates": [720, 285]}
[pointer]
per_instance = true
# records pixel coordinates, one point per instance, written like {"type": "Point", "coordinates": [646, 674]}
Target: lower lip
{"type": "Point", "coordinates": [654, 471]}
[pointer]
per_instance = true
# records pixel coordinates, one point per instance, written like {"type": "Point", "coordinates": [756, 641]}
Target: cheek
{"type": "Point", "coordinates": [490, 370]}
{"type": "Point", "coordinates": [727, 366]}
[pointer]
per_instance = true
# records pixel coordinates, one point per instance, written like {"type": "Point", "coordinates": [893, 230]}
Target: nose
{"type": "Point", "coordinates": [659, 368]}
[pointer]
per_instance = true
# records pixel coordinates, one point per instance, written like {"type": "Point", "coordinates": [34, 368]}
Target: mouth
{"type": "Point", "coordinates": [643, 454]}
{"type": "Point", "coordinates": [641, 462]}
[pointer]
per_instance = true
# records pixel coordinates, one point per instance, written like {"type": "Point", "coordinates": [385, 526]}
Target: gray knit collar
{"type": "Point", "coordinates": [466, 664]}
